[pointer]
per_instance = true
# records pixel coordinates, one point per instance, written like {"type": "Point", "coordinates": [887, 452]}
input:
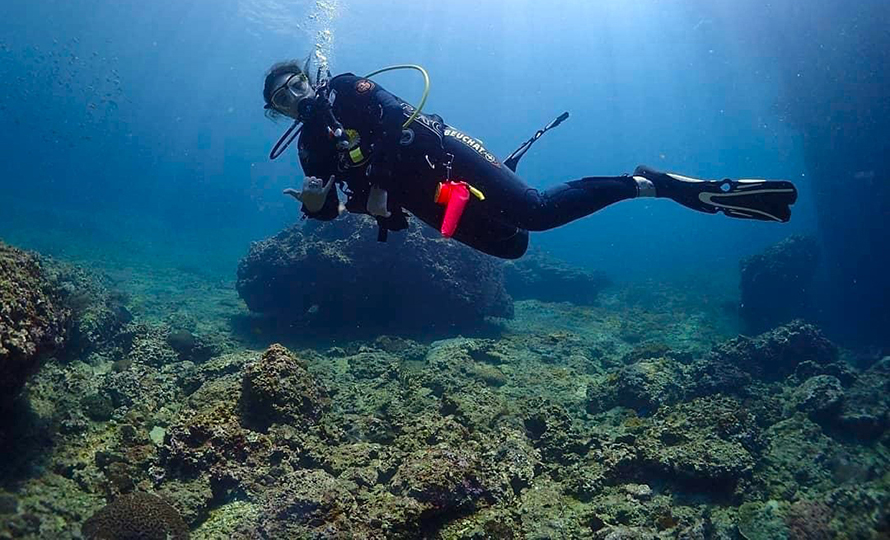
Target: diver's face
{"type": "Point", "coordinates": [287, 97]}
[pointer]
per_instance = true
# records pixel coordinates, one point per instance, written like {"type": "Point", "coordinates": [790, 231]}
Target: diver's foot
{"type": "Point", "coordinates": [764, 200]}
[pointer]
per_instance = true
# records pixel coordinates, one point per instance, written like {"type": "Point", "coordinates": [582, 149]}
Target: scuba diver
{"type": "Point", "coordinates": [388, 157]}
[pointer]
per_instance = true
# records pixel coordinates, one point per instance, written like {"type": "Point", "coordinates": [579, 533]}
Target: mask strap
{"type": "Point", "coordinates": [285, 140]}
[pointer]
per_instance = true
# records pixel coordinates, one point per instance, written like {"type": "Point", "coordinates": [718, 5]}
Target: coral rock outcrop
{"type": "Point", "coordinates": [336, 273]}
{"type": "Point", "coordinates": [776, 284]}
{"type": "Point", "coordinates": [33, 320]}
{"type": "Point", "coordinates": [277, 388]}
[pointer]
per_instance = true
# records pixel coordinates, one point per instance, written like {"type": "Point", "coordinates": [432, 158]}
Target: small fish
{"type": "Point", "coordinates": [312, 310]}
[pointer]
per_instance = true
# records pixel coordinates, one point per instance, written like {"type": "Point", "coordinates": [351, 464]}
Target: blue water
{"type": "Point", "coordinates": [135, 130]}
{"type": "Point", "coordinates": [182, 154]}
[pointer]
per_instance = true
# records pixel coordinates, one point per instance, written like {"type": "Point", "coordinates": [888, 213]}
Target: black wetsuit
{"type": "Point", "coordinates": [409, 166]}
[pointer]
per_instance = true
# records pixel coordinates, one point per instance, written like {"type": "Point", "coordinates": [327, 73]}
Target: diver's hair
{"type": "Point", "coordinates": [288, 67]}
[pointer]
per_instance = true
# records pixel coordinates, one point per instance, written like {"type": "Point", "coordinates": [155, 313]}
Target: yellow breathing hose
{"type": "Point", "coordinates": [426, 90]}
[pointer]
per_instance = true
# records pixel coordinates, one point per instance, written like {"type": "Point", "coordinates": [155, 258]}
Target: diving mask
{"type": "Point", "coordinates": [295, 97]}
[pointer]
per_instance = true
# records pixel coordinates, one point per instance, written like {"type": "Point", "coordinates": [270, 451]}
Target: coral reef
{"type": "Point", "coordinates": [441, 479]}
{"type": "Point", "coordinates": [621, 419]}
{"type": "Point", "coordinates": [307, 504]}
{"type": "Point", "coordinates": [819, 396]}
{"type": "Point", "coordinates": [865, 411]}
{"type": "Point", "coordinates": [33, 320]}
{"type": "Point", "coordinates": [643, 386]}
{"type": "Point", "coordinates": [776, 284]}
{"type": "Point", "coordinates": [809, 520]}
{"type": "Point", "coordinates": [336, 274]}
{"type": "Point", "coordinates": [761, 521]}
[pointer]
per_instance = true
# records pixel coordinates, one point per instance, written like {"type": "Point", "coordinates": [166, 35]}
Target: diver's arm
{"type": "Point", "coordinates": [316, 168]}
{"type": "Point", "coordinates": [319, 202]}
{"type": "Point", "coordinates": [319, 163]}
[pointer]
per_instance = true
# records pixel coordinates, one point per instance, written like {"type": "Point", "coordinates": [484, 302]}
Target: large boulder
{"type": "Point", "coordinates": [829, 91]}
{"type": "Point", "coordinates": [776, 284]}
{"type": "Point", "coordinates": [541, 277]}
{"type": "Point", "coordinates": [777, 353]}
{"type": "Point", "coordinates": [33, 320]}
{"type": "Point", "coordinates": [643, 386]}
{"type": "Point", "coordinates": [336, 273]}
{"type": "Point", "coordinates": [820, 396]}
{"type": "Point", "coordinates": [865, 411]}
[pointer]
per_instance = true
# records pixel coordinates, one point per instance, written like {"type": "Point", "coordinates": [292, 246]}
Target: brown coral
{"type": "Point", "coordinates": [809, 520]}
{"type": "Point", "coordinates": [136, 516]}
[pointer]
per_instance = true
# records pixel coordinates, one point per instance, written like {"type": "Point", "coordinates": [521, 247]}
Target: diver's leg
{"type": "Point", "coordinates": [507, 198]}
{"type": "Point", "coordinates": [536, 210]}
{"type": "Point", "coordinates": [764, 200]}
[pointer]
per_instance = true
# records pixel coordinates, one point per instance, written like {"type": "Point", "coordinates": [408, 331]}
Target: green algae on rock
{"type": "Point", "coordinates": [643, 386]}
{"type": "Point", "coordinates": [442, 479]}
{"type": "Point", "coordinates": [762, 521]}
{"type": "Point", "coordinates": [776, 354]}
{"type": "Point", "coordinates": [819, 396]}
{"type": "Point", "coordinates": [706, 443]}
{"type": "Point", "coordinates": [98, 309]}
{"type": "Point", "coordinates": [307, 504]}
{"type": "Point", "coordinates": [278, 389]}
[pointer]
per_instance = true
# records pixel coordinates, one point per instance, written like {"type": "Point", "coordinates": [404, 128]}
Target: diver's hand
{"type": "Point", "coordinates": [377, 202]}
{"type": "Point", "coordinates": [314, 193]}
